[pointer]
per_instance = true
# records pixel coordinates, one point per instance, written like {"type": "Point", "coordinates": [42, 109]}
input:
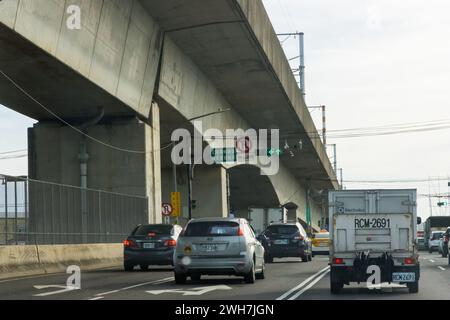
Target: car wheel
{"type": "Point", "coordinates": [128, 266]}
{"type": "Point", "coordinates": [310, 256]}
{"type": "Point", "coordinates": [304, 258]}
{"type": "Point", "coordinates": [196, 277]}
{"type": "Point", "coordinates": [144, 267]}
{"type": "Point", "coordinates": [250, 276]}
{"type": "Point", "coordinates": [180, 278]}
{"type": "Point", "coordinates": [261, 275]}
{"type": "Point", "coordinates": [336, 287]}
{"type": "Point", "coordinates": [413, 287]}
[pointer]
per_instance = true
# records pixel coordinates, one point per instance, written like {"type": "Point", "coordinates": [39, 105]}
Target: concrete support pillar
{"type": "Point", "coordinates": [132, 179]}
{"type": "Point", "coordinates": [153, 165]}
{"type": "Point", "coordinates": [209, 190]}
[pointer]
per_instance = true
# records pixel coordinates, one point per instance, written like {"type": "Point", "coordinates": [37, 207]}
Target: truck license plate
{"type": "Point", "coordinates": [403, 277]}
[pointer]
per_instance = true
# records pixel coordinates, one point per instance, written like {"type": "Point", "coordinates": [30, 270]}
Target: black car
{"type": "Point", "coordinates": [151, 244]}
{"type": "Point", "coordinates": [282, 240]}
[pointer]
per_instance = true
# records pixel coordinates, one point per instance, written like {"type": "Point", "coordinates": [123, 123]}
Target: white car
{"type": "Point", "coordinates": [433, 242]}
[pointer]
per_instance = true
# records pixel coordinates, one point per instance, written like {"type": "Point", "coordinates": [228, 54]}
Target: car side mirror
{"type": "Point", "coordinates": [419, 220]}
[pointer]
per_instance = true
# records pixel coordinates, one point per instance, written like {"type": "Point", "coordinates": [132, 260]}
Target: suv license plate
{"type": "Point", "coordinates": [403, 277]}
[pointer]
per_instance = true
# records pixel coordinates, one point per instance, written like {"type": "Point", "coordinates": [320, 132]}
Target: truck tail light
{"type": "Point", "coordinates": [409, 261]}
{"type": "Point", "coordinates": [338, 260]}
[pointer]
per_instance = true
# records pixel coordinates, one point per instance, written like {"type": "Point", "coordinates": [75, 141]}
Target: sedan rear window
{"type": "Point", "coordinates": [157, 229]}
{"type": "Point", "coordinates": [282, 229]}
{"type": "Point", "coordinates": [212, 228]}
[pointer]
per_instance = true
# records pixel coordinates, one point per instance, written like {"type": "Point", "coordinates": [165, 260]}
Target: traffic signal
{"type": "Point", "coordinates": [272, 151]}
{"type": "Point", "coordinates": [193, 204]}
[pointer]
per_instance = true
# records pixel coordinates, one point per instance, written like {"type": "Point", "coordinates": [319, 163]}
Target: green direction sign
{"type": "Point", "coordinates": [221, 155]}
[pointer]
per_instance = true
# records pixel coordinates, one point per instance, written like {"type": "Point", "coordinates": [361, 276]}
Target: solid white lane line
{"type": "Point", "coordinates": [96, 298]}
{"type": "Point", "coordinates": [136, 285]}
{"type": "Point", "coordinates": [105, 293]}
{"type": "Point", "coordinates": [151, 282]}
{"type": "Point", "coordinates": [431, 260]}
{"type": "Point", "coordinates": [286, 294]}
{"type": "Point", "coordinates": [443, 269]}
{"type": "Point", "coordinates": [53, 292]}
{"type": "Point", "coordinates": [309, 286]}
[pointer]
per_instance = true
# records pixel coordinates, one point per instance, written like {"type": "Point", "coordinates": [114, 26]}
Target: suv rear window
{"type": "Point", "coordinates": [437, 235]}
{"type": "Point", "coordinates": [158, 229]}
{"type": "Point", "coordinates": [282, 229]}
{"type": "Point", "coordinates": [212, 228]}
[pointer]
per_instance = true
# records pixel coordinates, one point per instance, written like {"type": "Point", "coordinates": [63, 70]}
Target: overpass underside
{"type": "Point", "coordinates": [107, 98]}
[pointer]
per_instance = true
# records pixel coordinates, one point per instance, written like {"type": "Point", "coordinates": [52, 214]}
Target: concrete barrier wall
{"type": "Point", "coordinates": [16, 261]}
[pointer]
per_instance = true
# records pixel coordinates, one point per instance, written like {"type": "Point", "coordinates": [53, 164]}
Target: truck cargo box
{"type": "Point", "coordinates": [376, 220]}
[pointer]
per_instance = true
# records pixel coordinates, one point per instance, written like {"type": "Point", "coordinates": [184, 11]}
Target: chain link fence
{"type": "Point", "coordinates": [40, 212]}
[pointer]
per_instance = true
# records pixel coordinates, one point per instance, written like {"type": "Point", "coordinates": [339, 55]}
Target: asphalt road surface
{"type": "Point", "coordinates": [286, 279]}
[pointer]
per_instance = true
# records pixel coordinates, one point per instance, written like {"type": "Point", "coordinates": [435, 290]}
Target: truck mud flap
{"type": "Point", "coordinates": [363, 261]}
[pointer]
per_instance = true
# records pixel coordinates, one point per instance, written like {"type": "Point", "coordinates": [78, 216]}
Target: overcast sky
{"type": "Point", "coordinates": [374, 63]}
{"type": "Point", "coordinates": [371, 63]}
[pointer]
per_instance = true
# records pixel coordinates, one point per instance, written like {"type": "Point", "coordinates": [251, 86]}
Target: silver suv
{"type": "Point", "coordinates": [218, 246]}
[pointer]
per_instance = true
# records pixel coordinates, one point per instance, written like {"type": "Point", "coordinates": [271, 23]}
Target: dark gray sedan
{"type": "Point", "coordinates": [151, 244]}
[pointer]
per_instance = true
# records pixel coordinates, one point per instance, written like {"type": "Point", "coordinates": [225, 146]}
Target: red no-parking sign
{"type": "Point", "coordinates": [166, 209]}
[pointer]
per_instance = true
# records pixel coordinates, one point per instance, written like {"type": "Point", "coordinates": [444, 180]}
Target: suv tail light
{"type": "Point", "coordinates": [338, 260]}
{"type": "Point", "coordinates": [300, 237]}
{"type": "Point", "coordinates": [241, 232]}
{"type": "Point", "coordinates": [130, 244]}
{"type": "Point", "coordinates": [170, 243]}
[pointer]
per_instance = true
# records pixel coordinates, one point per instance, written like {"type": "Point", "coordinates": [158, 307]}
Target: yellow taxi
{"type": "Point", "coordinates": [321, 243]}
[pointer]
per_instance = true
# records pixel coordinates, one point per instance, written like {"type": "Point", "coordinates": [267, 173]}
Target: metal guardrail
{"type": "Point", "coordinates": [41, 212]}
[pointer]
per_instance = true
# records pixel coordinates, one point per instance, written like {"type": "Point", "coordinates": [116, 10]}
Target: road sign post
{"type": "Point", "coordinates": [166, 211]}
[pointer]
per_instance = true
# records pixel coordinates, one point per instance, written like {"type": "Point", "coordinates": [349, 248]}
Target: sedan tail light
{"type": "Point", "coordinates": [130, 244]}
{"type": "Point", "coordinates": [409, 261]}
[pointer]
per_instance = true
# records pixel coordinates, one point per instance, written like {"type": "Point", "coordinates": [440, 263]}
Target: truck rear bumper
{"type": "Point", "coordinates": [347, 274]}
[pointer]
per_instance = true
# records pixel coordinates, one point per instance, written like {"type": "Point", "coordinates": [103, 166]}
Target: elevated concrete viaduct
{"type": "Point", "coordinates": [150, 66]}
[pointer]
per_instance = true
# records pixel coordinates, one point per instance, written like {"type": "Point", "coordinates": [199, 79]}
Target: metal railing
{"type": "Point", "coordinates": [41, 212]}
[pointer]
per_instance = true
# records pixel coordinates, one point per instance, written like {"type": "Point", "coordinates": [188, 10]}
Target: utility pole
{"type": "Point", "coordinates": [324, 123]}
{"type": "Point", "coordinates": [301, 57]}
{"type": "Point", "coordinates": [334, 157]}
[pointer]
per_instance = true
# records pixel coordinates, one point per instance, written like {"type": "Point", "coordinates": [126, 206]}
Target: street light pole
{"type": "Point", "coordinates": [190, 167]}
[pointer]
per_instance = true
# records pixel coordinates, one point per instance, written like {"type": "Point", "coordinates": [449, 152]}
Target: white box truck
{"type": "Point", "coordinates": [260, 218]}
{"type": "Point", "coordinates": [373, 228]}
